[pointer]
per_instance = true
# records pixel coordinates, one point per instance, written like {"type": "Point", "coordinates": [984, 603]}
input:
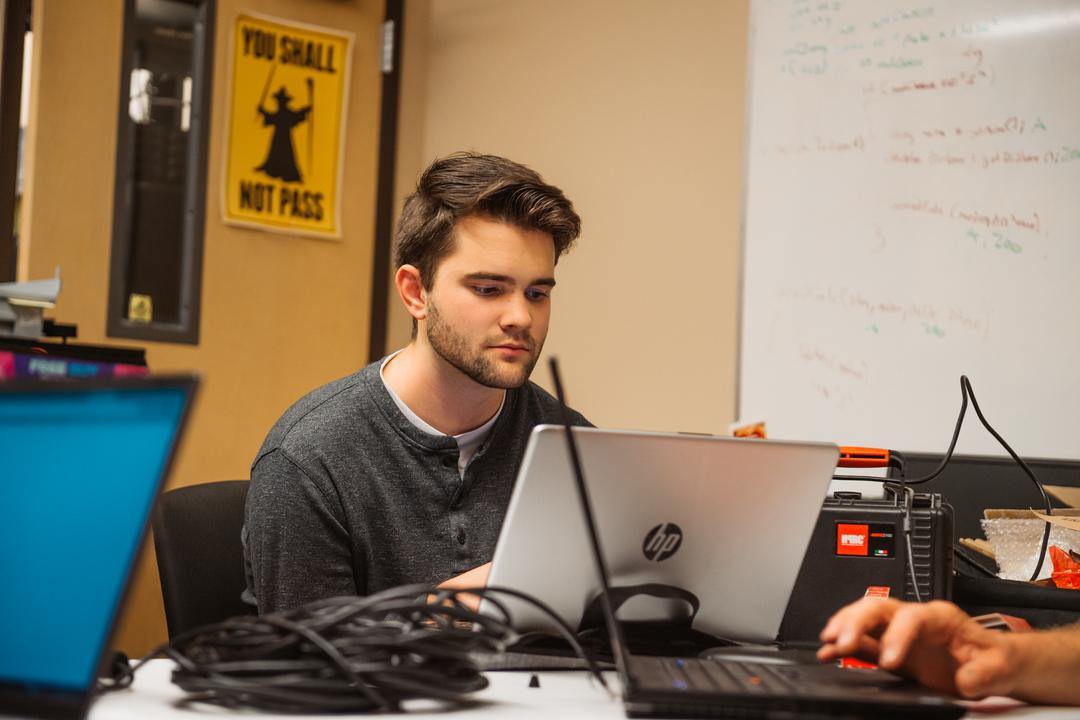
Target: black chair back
{"type": "Point", "coordinates": [199, 555]}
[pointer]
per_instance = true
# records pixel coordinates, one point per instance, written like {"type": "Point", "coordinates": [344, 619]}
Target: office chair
{"type": "Point", "coordinates": [199, 555]}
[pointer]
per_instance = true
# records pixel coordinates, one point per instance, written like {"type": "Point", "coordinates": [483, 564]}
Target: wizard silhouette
{"type": "Point", "coordinates": [280, 160]}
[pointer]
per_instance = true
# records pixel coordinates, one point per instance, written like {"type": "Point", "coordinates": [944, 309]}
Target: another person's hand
{"type": "Point", "coordinates": [475, 578]}
{"type": "Point", "coordinates": [936, 643]}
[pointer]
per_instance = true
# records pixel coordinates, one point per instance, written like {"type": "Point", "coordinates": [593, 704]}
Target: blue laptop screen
{"type": "Point", "coordinates": [79, 470]}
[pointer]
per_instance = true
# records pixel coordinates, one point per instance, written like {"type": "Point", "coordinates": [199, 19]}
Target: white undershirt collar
{"type": "Point", "coordinates": [469, 442]}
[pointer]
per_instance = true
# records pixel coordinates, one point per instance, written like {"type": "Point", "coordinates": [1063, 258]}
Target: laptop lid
{"type": "Point", "coordinates": [726, 519]}
{"type": "Point", "coordinates": [83, 462]}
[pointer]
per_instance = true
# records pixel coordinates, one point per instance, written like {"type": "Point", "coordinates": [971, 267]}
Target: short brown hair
{"type": "Point", "coordinates": [465, 184]}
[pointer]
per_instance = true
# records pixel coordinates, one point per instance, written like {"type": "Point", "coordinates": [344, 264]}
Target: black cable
{"type": "Point", "coordinates": [909, 499]}
{"type": "Point", "coordinates": [966, 391]}
{"type": "Point", "coordinates": [955, 436]}
{"type": "Point", "coordinates": [350, 654]}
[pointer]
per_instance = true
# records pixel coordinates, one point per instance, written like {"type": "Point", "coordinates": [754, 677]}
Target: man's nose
{"type": "Point", "coordinates": [517, 314]}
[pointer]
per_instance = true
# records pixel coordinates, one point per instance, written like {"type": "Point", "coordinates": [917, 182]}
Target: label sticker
{"type": "Point", "coordinates": [877, 540]}
{"type": "Point", "coordinates": [852, 539]}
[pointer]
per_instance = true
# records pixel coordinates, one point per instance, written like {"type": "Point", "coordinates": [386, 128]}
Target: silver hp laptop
{"type": "Point", "coordinates": [742, 686]}
{"type": "Point", "coordinates": [724, 520]}
{"type": "Point", "coordinates": [82, 465]}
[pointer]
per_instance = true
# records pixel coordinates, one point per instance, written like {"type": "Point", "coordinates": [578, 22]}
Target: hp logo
{"type": "Point", "coordinates": [662, 542]}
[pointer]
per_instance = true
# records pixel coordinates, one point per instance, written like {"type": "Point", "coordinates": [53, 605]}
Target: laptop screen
{"type": "Point", "coordinates": [79, 473]}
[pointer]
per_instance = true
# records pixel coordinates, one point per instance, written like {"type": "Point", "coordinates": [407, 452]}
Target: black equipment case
{"type": "Point", "coordinates": [859, 544]}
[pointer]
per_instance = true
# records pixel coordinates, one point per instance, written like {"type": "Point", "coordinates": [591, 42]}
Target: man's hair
{"type": "Point", "coordinates": [465, 184]}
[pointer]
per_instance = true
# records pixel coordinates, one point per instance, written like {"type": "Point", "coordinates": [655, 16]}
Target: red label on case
{"type": "Point", "coordinates": [852, 539]}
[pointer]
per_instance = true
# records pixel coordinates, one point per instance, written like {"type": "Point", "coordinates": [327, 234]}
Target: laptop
{"type": "Point", "coordinates": [83, 462]}
{"type": "Point", "coordinates": [718, 523]}
{"type": "Point", "coordinates": [763, 685]}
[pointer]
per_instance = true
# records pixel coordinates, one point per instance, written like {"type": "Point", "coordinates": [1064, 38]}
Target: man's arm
{"type": "Point", "coordinates": [475, 578]}
{"type": "Point", "coordinates": [297, 544]}
{"type": "Point", "coordinates": [941, 647]}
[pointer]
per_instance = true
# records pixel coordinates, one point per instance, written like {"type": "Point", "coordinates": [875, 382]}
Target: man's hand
{"type": "Point", "coordinates": [475, 578]}
{"type": "Point", "coordinates": [936, 643]}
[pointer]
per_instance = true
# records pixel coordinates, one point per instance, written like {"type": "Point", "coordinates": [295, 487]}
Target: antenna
{"type": "Point", "coordinates": [613, 628]}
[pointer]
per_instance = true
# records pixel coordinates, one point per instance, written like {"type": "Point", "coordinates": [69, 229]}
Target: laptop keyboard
{"type": "Point", "coordinates": [714, 676]}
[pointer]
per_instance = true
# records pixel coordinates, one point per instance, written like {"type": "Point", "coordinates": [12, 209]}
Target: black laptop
{"type": "Point", "coordinates": [81, 464]}
{"type": "Point", "coordinates": [743, 682]}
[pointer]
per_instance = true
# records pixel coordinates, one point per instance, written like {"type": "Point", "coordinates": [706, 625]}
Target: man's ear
{"type": "Point", "coordinates": [411, 290]}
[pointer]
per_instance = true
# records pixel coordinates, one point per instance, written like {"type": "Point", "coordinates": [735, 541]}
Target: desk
{"type": "Point", "coordinates": [566, 695]}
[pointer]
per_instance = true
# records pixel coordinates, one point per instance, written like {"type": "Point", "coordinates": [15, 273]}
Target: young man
{"type": "Point", "coordinates": [941, 647]}
{"type": "Point", "coordinates": [401, 472]}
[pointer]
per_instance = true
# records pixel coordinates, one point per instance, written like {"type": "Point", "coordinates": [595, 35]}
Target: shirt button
{"type": "Point", "coordinates": [461, 536]}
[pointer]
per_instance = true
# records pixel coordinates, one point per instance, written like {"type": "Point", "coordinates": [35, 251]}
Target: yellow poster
{"type": "Point", "coordinates": [287, 108]}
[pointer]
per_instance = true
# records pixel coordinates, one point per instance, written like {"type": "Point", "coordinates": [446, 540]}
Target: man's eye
{"type": "Point", "coordinates": [537, 294]}
{"type": "Point", "coordinates": [485, 290]}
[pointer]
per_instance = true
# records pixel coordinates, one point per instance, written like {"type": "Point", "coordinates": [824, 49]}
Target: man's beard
{"type": "Point", "coordinates": [459, 351]}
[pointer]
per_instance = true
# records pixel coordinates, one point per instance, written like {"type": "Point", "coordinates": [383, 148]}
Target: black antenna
{"type": "Point", "coordinates": [614, 631]}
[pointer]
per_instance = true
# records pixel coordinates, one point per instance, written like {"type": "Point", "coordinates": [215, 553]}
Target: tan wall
{"type": "Point", "coordinates": [280, 315]}
{"type": "Point", "coordinates": [635, 108]}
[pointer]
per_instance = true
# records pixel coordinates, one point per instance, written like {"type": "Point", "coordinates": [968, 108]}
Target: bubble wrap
{"type": "Point", "coordinates": [1016, 543]}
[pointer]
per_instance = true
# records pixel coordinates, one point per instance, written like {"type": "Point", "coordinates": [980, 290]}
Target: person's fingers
{"type": "Point", "coordinates": [865, 617]}
{"type": "Point", "coordinates": [970, 638]}
{"type": "Point", "coordinates": [986, 660]}
{"type": "Point", "coordinates": [907, 624]}
{"type": "Point", "coordinates": [988, 672]}
{"type": "Point", "coordinates": [867, 650]}
{"type": "Point", "coordinates": [936, 623]}
{"type": "Point", "coordinates": [470, 601]}
{"type": "Point", "coordinates": [843, 618]}
{"type": "Point", "coordinates": [832, 627]}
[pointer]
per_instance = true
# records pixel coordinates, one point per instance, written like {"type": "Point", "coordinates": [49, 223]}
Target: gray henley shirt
{"type": "Point", "coordinates": [348, 497]}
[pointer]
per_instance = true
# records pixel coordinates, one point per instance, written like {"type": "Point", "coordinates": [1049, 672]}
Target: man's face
{"type": "Point", "coordinates": [490, 301]}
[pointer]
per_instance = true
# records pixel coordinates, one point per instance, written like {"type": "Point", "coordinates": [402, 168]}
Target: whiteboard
{"type": "Point", "coordinates": [913, 213]}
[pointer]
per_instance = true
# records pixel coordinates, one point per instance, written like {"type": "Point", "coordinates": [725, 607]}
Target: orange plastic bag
{"type": "Point", "coordinates": [1066, 573]}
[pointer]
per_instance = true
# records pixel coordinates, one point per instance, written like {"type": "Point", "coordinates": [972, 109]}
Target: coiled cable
{"type": "Point", "coordinates": [350, 654]}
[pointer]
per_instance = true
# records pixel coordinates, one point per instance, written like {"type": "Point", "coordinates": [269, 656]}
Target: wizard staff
{"type": "Point", "coordinates": [311, 124]}
{"type": "Point", "coordinates": [266, 89]}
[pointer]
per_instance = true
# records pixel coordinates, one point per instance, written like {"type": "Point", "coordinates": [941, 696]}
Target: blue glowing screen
{"type": "Point", "coordinates": [79, 470]}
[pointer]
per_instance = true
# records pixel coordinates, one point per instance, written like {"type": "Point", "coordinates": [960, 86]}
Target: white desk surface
{"type": "Point", "coordinates": [565, 695]}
